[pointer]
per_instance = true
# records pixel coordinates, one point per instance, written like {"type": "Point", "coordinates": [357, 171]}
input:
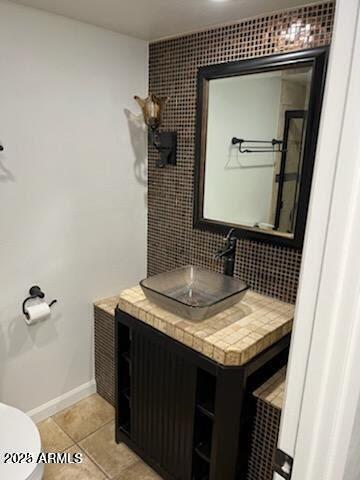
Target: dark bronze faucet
{"type": "Point", "coordinates": [227, 252]}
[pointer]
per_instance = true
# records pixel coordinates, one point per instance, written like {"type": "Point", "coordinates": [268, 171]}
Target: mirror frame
{"type": "Point", "coordinates": [317, 57]}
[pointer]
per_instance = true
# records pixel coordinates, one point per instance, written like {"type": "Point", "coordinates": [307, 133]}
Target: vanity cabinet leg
{"type": "Point", "coordinates": [229, 403]}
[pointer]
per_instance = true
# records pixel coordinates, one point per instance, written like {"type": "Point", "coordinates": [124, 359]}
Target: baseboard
{"type": "Point", "coordinates": [64, 401]}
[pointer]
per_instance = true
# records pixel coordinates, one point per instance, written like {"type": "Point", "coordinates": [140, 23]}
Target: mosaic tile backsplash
{"type": "Point", "coordinates": [173, 64]}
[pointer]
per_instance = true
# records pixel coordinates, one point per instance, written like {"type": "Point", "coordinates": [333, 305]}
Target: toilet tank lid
{"type": "Point", "coordinates": [18, 434]}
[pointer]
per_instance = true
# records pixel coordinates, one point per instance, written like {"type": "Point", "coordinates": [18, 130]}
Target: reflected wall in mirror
{"type": "Point", "coordinates": [256, 136]}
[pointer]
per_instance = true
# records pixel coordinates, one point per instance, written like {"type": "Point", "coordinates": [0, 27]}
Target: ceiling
{"type": "Point", "coordinates": [155, 19]}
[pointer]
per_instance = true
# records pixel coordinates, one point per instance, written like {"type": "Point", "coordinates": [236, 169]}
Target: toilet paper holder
{"type": "Point", "coordinates": [34, 292]}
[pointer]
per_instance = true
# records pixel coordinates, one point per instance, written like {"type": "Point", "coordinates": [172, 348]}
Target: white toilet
{"type": "Point", "coordinates": [19, 434]}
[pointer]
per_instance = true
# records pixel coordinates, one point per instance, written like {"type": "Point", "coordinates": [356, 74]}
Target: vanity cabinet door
{"type": "Point", "coordinates": [163, 393]}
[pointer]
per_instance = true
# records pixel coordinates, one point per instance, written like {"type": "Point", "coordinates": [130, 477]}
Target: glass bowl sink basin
{"type": "Point", "coordinates": [193, 293]}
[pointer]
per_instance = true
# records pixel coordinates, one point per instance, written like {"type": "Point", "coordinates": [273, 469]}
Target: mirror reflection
{"type": "Point", "coordinates": [254, 143]}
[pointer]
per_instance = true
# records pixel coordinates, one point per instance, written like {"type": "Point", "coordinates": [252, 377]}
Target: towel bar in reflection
{"type": "Point", "coordinates": [266, 146]}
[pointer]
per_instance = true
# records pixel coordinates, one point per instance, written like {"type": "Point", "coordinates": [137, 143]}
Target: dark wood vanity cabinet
{"type": "Point", "coordinates": [188, 417]}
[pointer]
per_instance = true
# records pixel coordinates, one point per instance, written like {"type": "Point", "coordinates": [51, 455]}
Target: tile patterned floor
{"type": "Point", "coordinates": [88, 427]}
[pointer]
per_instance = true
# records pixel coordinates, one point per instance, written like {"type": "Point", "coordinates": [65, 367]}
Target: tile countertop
{"type": "Point", "coordinates": [272, 391]}
{"type": "Point", "coordinates": [231, 338]}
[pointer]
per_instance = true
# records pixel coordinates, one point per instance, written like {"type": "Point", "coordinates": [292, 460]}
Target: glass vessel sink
{"type": "Point", "coordinates": [193, 293]}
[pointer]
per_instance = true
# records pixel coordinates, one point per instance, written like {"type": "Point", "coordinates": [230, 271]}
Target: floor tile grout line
{"type": "Point", "coordinates": [86, 436]}
{"type": "Point", "coordinates": [94, 462]}
{"type": "Point", "coordinates": [68, 434]}
{"type": "Point", "coordinates": [62, 431]}
{"type": "Point", "coordinates": [77, 444]}
{"type": "Point", "coordinates": [88, 454]}
{"type": "Point", "coordinates": [95, 431]}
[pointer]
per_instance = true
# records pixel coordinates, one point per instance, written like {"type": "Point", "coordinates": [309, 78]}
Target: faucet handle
{"type": "Point", "coordinates": [230, 234]}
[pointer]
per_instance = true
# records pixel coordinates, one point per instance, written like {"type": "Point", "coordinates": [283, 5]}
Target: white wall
{"type": "Point", "coordinates": [72, 192]}
{"type": "Point", "coordinates": [238, 187]}
{"type": "Point", "coordinates": [352, 470]}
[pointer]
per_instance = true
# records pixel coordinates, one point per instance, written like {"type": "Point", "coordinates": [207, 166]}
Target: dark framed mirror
{"type": "Point", "coordinates": [256, 133]}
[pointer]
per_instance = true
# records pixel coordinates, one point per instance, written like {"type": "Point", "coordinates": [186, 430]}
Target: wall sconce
{"type": "Point", "coordinates": [164, 142]}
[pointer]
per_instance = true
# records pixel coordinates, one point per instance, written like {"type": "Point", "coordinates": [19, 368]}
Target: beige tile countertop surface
{"type": "Point", "coordinates": [272, 391]}
{"type": "Point", "coordinates": [231, 338]}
